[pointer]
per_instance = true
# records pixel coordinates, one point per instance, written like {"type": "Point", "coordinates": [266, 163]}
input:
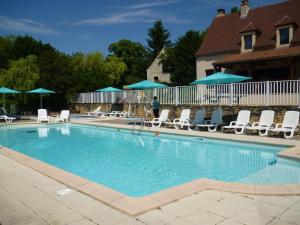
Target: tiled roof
{"type": "Point", "coordinates": [248, 28]}
{"type": "Point", "coordinates": [280, 53]}
{"type": "Point", "coordinates": [286, 20]}
{"type": "Point", "coordinates": [224, 33]}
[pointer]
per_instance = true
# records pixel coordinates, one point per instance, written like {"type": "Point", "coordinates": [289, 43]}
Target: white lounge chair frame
{"type": "Point", "coordinates": [163, 119]}
{"type": "Point", "coordinates": [96, 112]}
{"type": "Point", "coordinates": [264, 124]}
{"type": "Point", "coordinates": [215, 121]}
{"type": "Point", "coordinates": [289, 125]}
{"type": "Point", "coordinates": [63, 117]}
{"type": "Point", "coordinates": [198, 119]}
{"type": "Point", "coordinates": [43, 116]}
{"type": "Point", "coordinates": [241, 122]}
{"type": "Point", "coordinates": [183, 120]}
{"type": "Point", "coordinates": [7, 118]}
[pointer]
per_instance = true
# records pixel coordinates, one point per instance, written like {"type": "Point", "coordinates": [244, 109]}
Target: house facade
{"type": "Point", "coordinates": [155, 71]}
{"type": "Point", "coordinates": [263, 43]}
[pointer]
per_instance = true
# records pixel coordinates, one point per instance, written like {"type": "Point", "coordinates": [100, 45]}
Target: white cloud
{"type": "Point", "coordinates": [25, 25]}
{"type": "Point", "coordinates": [132, 16]}
{"type": "Point", "coordinates": [150, 4]}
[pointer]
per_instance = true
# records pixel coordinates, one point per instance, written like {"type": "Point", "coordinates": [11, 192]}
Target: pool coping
{"type": "Point", "coordinates": [137, 205]}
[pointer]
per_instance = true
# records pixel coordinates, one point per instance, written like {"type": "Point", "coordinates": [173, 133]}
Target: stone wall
{"type": "Point", "coordinates": [230, 112]}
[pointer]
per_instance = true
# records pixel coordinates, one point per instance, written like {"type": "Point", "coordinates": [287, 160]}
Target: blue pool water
{"type": "Point", "coordinates": [138, 165]}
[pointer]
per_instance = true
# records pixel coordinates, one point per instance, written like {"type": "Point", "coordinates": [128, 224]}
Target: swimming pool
{"type": "Point", "coordinates": [138, 165]}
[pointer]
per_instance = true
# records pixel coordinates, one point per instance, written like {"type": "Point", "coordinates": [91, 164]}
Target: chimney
{"type": "Point", "coordinates": [244, 8]}
{"type": "Point", "coordinates": [220, 12]}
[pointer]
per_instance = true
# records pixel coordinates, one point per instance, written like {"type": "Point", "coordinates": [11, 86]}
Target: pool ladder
{"type": "Point", "coordinates": [138, 126]}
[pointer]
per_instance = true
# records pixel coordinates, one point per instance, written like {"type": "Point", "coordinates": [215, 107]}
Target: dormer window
{"type": "Point", "coordinates": [248, 37]}
{"type": "Point", "coordinates": [248, 42]}
{"type": "Point", "coordinates": [284, 36]}
{"type": "Point", "coordinates": [284, 31]}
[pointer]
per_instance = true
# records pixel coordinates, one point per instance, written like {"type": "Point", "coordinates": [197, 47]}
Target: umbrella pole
{"type": "Point", "coordinates": [41, 102]}
{"type": "Point", "coordinates": [4, 101]}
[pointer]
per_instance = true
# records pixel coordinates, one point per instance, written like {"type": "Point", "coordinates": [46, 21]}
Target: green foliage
{"type": "Point", "coordinates": [180, 59]}
{"type": "Point", "coordinates": [21, 74]}
{"type": "Point", "coordinates": [114, 68]}
{"type": "Point", "coordinates": [158, 38]}
{"type": "Point", "coordinates": [88, 70]}
{"type": "Point", "coordinates": [134, 55]}
{"type": "Point", "coordinates": [234, 10]}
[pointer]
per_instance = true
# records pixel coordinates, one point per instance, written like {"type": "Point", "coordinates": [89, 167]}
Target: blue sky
{"type": "Point", "coordinates": [91, 25]}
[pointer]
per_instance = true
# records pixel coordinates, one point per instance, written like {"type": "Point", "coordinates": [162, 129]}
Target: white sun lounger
{"type": "Point", "coordinates": [96, 112]}
{"type": "Point", "coordinates": [264, 124]}
{"type": "Point", "coordinates": [183, 120]}
{"type": "Point", "coordinates": [42, 116]}
{"type": "Point", "coordinates": [289, 125]}
{"type": "Point", "coordinates": [214, 122]}
{"type": "Point", "coordinates": [121, 114]}
{"type": "Point", "coordinates": [7, 118]}
{"type": "Point", "coordinates": [240, 123]}
{"type": "Point", "coordinates": [198, 119]}
{"type": "Point", "coordinates": [163, 119]}
{"type": "Point", "coordinates": [63, 117]}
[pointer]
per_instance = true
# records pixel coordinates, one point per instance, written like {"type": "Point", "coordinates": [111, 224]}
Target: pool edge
{"type": "Point", "coordinates": [134, 206]}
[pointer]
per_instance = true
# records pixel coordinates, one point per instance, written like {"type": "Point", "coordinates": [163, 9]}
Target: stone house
{"type": "Point", "coordinates": [155, 71]}
{"type": "Point", "coordinates": [263, 43]}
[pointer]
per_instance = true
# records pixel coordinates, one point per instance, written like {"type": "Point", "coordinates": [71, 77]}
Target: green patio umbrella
{"type": "Point", "coordinates": [143, 85]}
{"type": "Point", "coordinates": [4, 91]}
{"type": "Point", "coordinates": [109, 89]}
{"type": "Point", "coordinates": [146, 84]}
{"type": "Point", "coordinates": [40, 91]}
{"type": "Point", "coordinates": [220, 78]}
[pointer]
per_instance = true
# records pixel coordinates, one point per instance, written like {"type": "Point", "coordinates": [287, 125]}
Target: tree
{"type": "Point", "coordinates": [234, 9]}
{"type": "Point", "coordinates": [158, 38]}
{"type": "Point", "coordinates": [6, 47]}
{"type": "Point", "coordinates": [180, 60]}
{"type": "Point", "coordinates": [114, 68]}
{"type": "Point", "coordinates": [88, 72]}
{"type": "Point", "coordinates": [134, 55]}
{"type": "Point", "coordinates": [21, 74]}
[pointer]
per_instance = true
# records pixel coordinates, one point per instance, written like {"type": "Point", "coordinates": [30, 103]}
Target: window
{"type": "Point", "coordinates": [284, 35]}
{"type": "Point", "coordinates": [248, 41]}
{"type": "Point", "coordinates": [156, 78]}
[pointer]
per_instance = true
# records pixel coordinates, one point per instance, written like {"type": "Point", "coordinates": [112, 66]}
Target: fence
{"type": "Point", "coordinates": [250, 93]}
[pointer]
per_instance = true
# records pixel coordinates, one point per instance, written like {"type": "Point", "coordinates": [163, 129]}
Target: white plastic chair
{"type": "Point", "coordinates": [289, 124]}
{"type": "Point", "coordinates": [183, 120]}
{"type": "Point", "coordinates": [265, 123]}
{"type": "Point", "coordinates": [96, 112]}
{"type": "Point", "coordinates": [63, 117]}
{"type": "Point", "coordinates": [198, 119]}
{"type": "Point", "coordinates": [241, 122]}
{"type": "Point", "coordinates": [214, 122]}
{"type": "Point", "coordinates": [7, 118]}
{"type": "Point", "coordinates": [43, 116]}
{"type": "Point", "coordinates": [163, 119]}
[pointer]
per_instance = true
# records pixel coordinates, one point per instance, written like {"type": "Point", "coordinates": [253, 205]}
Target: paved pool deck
{"type": "Point", "coordinates": [182, 198]}
{"type": "Point", "coordinates": [29, 198]}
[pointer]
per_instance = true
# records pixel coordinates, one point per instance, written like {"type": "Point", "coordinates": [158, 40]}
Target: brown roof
{"type": "Point", "coordinates": [280, 53]}
{"type": "Point", "coordinates": [249, 27]}
{"type": "Point", "coordinates": [286, 20]}
{"type": "Point", "coordinates": [223, 35]}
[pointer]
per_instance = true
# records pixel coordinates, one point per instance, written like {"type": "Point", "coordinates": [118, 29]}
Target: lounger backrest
{"type": "Point", "coordinates": [199, 117]}
{"type": "Point", "coordinates": [266, 117]}
{"type": "Point", "coordinates": [243, 117]}
{"type": "Point", "coordinates": [185, 115]}
{"type": "Point", "coordinates": [98, 109]}
{"type": "Point", "coordinates": [217, 116]}
{"type": "Point", "coordinates": [65, 114]}
{"type": "Point", "coordinates": [291, 119]}
{"type": "Point", "coordinates": [42, 113]}
{"type": "Point", "coordinates": [164, 115]}
{"type": "Point", "coordinates": [3, 111]}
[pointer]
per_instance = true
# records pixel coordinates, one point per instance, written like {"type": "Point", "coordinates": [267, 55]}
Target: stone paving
{"type": "Point", "coordinates": [28, 197]}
